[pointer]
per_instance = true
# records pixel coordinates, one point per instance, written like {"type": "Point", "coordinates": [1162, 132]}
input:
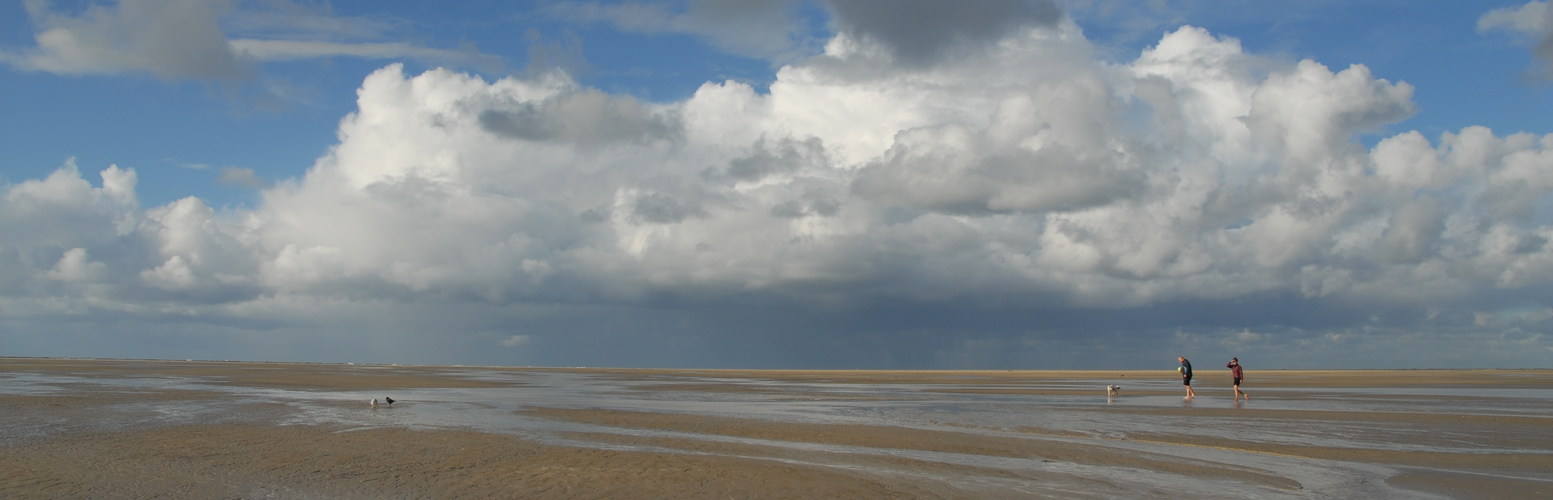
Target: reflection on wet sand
{"type": "Point", "coordinates": [140, 429]}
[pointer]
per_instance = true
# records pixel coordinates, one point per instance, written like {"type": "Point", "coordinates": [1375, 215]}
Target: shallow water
{"type": "Point", "coordinates": [1091, 420]}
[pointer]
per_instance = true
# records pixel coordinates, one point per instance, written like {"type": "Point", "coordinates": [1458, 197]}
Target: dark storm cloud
{"type": "Point", "coordinates": [922, 31]}
{"type": "Point", "coordinates": [777, 157]}
{"type": "Point", "coordinates": [1016, 180]}
{"type": "Point", "coordinates": [813, 203]}
{"type": "Point", "coordinates": [659, 208]}
{"type": "Point", "coordinates": [586, 117]}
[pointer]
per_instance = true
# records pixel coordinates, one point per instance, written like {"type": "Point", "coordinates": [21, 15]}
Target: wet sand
{"type": "Point", "coordinates": [176, 429]}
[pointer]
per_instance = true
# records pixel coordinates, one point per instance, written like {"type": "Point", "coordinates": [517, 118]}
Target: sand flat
{"type": "Point", "coordinates": [192, 429]}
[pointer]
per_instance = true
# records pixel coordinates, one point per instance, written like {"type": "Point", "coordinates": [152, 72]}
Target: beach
{"type": "Point", "coordinates": [208, 429]}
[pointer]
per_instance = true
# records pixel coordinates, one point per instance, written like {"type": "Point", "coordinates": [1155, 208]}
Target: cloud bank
{"type": "Point", "coordinates": [186, 39]}
{"type": "Point", "coordinates": [1019, 204]}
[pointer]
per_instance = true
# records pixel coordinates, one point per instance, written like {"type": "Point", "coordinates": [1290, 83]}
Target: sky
{"type": "Point", "coordinates": [911, 184]}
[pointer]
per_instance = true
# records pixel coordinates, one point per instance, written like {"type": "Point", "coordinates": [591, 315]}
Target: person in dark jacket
{"type": "Point", "coordinates": [1237, 373]}
{"type": "Point", "coordinates": [1186, 376]}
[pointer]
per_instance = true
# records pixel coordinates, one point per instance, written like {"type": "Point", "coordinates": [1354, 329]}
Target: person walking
{"type": "Point", "coordinates": [1186, 377]}
{"type": "Point", "coordinates": [1237, 373]}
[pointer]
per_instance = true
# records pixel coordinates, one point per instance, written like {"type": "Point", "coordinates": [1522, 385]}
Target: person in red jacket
{"type": "Point", "coordinates": [1235, 371]}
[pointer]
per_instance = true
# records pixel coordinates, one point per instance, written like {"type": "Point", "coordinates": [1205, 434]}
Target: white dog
{"type": "Point", "coordinates": [1112, 390]}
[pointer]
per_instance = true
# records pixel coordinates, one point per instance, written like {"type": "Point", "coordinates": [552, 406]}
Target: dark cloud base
{"type": "Point", "coordinates": [1270, 332]}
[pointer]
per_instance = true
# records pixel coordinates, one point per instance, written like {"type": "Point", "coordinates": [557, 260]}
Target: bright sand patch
{"type": "Point", "coordinates": [260, 461]}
